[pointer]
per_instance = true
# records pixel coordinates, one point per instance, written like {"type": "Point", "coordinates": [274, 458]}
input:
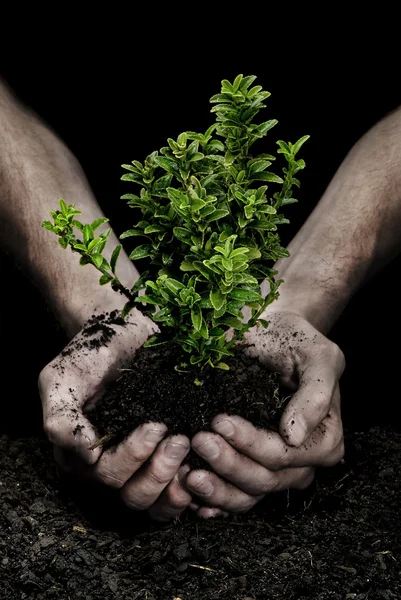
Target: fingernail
{"type": "Point", "coordinates": [297, 430]}
{"type": "Point", "coordinates": [175, 451]}
{"type": "Point", "coordinates": [209, 449]}
{"type": "Point", "coordinates": [204, 486]}
{"type": "Point", "coordinates": [154, 435]}
{"type": "Point", "coordinates": [225, 428]}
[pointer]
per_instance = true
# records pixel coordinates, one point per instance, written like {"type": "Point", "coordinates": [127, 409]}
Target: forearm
{"type": "Point", "coordinates": [36, 169]}
{"type": "Point", "coordinates": [354, 230]}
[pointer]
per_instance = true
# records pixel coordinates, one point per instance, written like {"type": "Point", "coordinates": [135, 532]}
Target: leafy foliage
{"type": "Point", "coordinates": [208, 228]}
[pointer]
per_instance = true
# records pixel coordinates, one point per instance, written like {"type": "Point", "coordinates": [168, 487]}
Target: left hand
{"type": "Point", "coordinates": [256, 462]}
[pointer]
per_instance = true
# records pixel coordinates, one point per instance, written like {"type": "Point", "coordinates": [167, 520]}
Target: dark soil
{"type": "Point", "coordinates": [151, 390]}
{"type": "Point", "coordinates": [340, 539]}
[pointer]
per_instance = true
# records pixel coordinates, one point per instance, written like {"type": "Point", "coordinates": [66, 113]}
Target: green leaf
{"type": "Point", "coordinates": [187, 266]}
{"type": "Point", "coordinates": [80, 247]}
{"type": "Point", "coordinates": [98, 222]}
{"type": "Point", "coordinates": [93, 244]}
{"type": "Point", "coordinates": [162, 315]}
{"type": "Point", "coordinates": [105, 279]}
{"type": "Point", "coordinates": [245, 295]}
{"type": "Point", "coordinates": [233, 322]}
{"type": "Point", "coordinates": [145, 299]}
{"type": "Point", "coordinates": [141, 252]}
{"type": "Point", "coordinates": [88, 233]}
{"type": "Point", "coordinates": [196, 157]}
{"type": "Point", "coordinates": [140, 282]}
{"type": "Point", "coordinates": [168, 164]}
{"type": "Point", "coordinates": [153, 341]}
{"type": "Point", "coordinates": [63, 207]}
{"type": "Point", "coordinates": [182, 234]}
{"type": "Point", "coordinates": [63, 242]}
{"type": "Point", "coordinates": [246, 82]}
{"type": "Point", "coordinates": [114, 257]}
{"type": "Point", "coordinates": [97, 260]}
{"type": "Point", "coordinates": [285, 201]}
{"type": "Point", "coordinates": [154, 229]}
{"type": "Point", "coordinates": [237, 82]}
{"type": "Point", "coordinates": [217, 214]}
{"type": "Point", "coordinates": [263, 128]}
{"type": "Point", "coordinates": [217, 298]}
{"type": "Point", "coordinates": [197, 204]}
{"type": "Point", "coordinates": [198, 265]}
{"type": "Point", "coordinates": [78, 225]}
{"type": "Point", "coordinates": [263, 322]}
{"type": "Point", "coordinates": [222, 365]}
{"type": "Point", "coordinates": [297, 146]}
{"type": "Point", "coordinates": [265, 176]}
{"type": "Point", "coordinates": [174, 286]}
{"type": "Point", "coordinates": [258, 165]}
{"type": "Point", "coordinates": [196, 317]}
{"type": "Point", "coordinates": [48, 225]}
{"type": "Point", "coordinates": [131, 233]}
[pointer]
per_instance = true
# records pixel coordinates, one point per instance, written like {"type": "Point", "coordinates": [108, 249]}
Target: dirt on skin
{"type": "Point", "coordinates": [341, 539]}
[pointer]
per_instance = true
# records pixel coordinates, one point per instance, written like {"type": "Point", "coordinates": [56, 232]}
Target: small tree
{"type": "Point", "coordinates": [208, 227]}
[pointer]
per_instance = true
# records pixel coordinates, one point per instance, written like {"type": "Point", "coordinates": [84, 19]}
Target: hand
{"type": "Point", "coordinates": [255, 462]}
{"type": "Point", "coordinates": [72, 382]}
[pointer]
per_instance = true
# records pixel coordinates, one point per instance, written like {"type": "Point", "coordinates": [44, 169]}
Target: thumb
{"type": "Point", "coordinates": [309, 405]}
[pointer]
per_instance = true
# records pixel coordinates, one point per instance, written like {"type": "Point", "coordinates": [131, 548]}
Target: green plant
{"type": "Point", "coordinates": [208, 227]}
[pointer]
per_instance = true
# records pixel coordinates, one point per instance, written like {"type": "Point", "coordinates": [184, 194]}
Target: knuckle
{"type": "Point", "coordinates": [131, 499]}
{"type": "Point", "coordinates": [334, 354]}
{"type": "Point", "coordinates": [107, 477]}
{"type": "Point", "coordinates": [159, 477]}
{"type": "Point", "coordinates": [270, 483]}
{"type": "Point", "coordinates": [228, 469]}
{"type": "Point", "coordinates": [51, 428]}
{"type": "Point", "coordinates": [280, 459]}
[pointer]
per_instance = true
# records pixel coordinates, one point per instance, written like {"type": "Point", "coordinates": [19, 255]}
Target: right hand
{"type": "Point", "coordinates": [252, 461]}
{"type": "Point", "coordinates": [147, 466]}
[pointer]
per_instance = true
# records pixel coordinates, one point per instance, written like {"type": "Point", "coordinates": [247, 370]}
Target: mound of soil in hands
{"type": "Point", "coordinates": [151, 390]}
{"type": "Point", "coordinates": [341, 539]}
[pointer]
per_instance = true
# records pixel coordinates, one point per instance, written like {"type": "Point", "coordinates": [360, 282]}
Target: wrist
{"type": "Point", "coordinates": [317, 305]}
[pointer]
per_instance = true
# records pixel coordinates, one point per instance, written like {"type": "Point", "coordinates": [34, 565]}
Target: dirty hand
{"type": "Point", "coordinates": [70, 384]}
{"type": "Point", "coordinates": [256, 462]}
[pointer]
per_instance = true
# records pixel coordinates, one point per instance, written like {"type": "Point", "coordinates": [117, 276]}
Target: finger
{"type": "Point", "coordinates": [311, 403]}
{"type": "Point", "coordinates": [146, 486]}
{"type": "Point", "coordinates": [117, 465]}
{"type": "Point", "coordinates": [213, 491]}
{"type": "Point", "coordinates": [324, 447]}
{"type": "Point", "coordinates": [174, 499]}
{"type": "Point", "coordinates": [246, 474]}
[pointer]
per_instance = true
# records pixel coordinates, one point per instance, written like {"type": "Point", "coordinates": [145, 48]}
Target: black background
{"type": "Point", "coordinates": [115, 96]}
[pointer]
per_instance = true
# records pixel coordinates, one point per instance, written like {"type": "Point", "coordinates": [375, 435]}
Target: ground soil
{"type": "Point", "coordinates": [339, 539]}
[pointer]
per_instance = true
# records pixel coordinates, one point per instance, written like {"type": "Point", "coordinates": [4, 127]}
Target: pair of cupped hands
{"type": "Point", "coordinates": [148, 467]}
